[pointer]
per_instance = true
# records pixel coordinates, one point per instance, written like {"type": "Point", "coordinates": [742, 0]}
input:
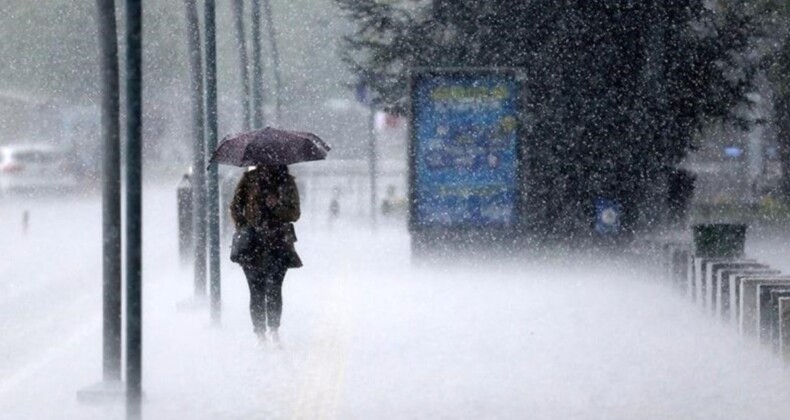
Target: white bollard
{"type": "Point", "coordinates": [723, 284]}
{"type": "Point", "coordinates": [749, 302]}
{"type": "Point", "coordinates": [735, 290]}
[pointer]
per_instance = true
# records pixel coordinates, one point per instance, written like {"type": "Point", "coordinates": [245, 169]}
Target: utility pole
{"type": "Point", "coordinates": [111, 387]}
{"type": "Point", "coordinates": [211, 145]}
{"type": "Point", "coordinates": [654, 214]}
{"type": "Point", "coordinates": [257, 67]}
{"type": "Point", "coordinates": [134, 245]}
{"type": "Point", "coordinates": [198, 146]}
{"type": "Point", "coordinates": [111, 191]}
{"type": "Point", "coordinates": [241, 43]}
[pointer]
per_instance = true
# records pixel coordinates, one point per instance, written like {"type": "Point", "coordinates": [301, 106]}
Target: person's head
{"type": "Point", "coordinates": [274, 171]}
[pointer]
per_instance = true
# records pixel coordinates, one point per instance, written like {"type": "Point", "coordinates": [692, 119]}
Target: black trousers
{"type": "Point", "coordinates": [266, 294]}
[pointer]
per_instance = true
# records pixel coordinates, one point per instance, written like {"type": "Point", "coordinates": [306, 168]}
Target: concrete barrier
{"type": "Point", "coordinates": [749, 304]}
{"type": "Point", "coordinates": [700, 274]}
{"type": "Point", "coordinates": [765, 308]}
{"type": "Point", "coordinates": [721, 285]}
{"type": "Point", "coordinates": [774, 316]}
{"type": "Point", "coordinates": [734, 290]}
{"type": "Point", "coordinates": [714, 275]}
{"type": "Point", "coordinates": [711, 280]}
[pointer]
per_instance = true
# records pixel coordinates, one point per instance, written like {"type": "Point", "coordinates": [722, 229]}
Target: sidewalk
{"type": "Point", "coordinates": [367, 335]}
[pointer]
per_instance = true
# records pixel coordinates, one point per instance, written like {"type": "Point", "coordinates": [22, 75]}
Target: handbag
{"type": "Point", "coordinates": [244, 245]}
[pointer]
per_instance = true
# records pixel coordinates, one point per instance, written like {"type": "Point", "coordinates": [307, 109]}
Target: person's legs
{"type": "Point", "coordinates": [275, 275]}
{"type": "Point", "coordinates": [256, 279]}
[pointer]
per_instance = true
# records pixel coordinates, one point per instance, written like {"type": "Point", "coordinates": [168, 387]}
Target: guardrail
{"type": "Point", "coordinates": [749, 295]}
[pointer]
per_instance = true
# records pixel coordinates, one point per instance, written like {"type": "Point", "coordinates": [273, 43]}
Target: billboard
{"type": "Point", "coordinates": [464, 149]}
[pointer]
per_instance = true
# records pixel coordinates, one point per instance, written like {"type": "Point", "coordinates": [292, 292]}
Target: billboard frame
{"type": "Point", "coordinates": [422, 233]}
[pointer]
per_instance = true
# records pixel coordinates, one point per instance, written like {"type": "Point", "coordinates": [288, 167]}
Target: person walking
{"type": "Point", "coordinates": [267, 200]}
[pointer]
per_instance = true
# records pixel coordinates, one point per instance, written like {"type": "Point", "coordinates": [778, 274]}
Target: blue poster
{"type": "Point", "coordinates": [465, 138]}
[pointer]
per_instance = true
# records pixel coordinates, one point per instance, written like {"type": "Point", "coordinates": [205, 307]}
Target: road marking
{"type": "Point", "coordinates": [31, 369]}
{"type": "Point", "coordinates": [321, 386]}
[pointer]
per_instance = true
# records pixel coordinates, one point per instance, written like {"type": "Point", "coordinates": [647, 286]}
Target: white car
{"type": "Point", "coordinates": [33, 168]}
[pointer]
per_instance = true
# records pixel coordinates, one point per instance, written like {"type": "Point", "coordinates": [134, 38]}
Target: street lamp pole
{"type": "Point", "coordinates": [134, 246]}
{"type": "Point", "coordinates": [199, 146]}
{"type": "Point", "coordinates": [257, 67]}
{"type": "Point", "coordinates": [111, 191]}
{"type": "Point", "coordinates": [211, 144]}
{"type": "Point", "coordinates": [267, 7]}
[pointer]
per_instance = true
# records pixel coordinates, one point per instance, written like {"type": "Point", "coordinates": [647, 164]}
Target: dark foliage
{"type": "Point", "coordinates": [616, 89]}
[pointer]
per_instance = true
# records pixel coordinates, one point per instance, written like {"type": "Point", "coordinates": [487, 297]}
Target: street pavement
{"type": "Point", "coordinates": [367, 333]}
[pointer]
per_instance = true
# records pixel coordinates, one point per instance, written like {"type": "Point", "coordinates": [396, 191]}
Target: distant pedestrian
{"type": "Point", "coordinates": [25, 221]}
{"type": "Point", "coordinates": [267, 200]}
{"type": "Point", "coordinates": [388, 204]}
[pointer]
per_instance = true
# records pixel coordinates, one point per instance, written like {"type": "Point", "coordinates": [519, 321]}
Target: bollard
{"type": "Point", "coordinates": [701, 265]}
{"type": "Point", "coordinates": [735, 279]}
{"type": "Point", "coordinates": [711, 281]}
{"type": "Point", "coordinates": [25, 221]}
{"type": "Point", "coordinates": [766, 295]}
{"type": "Point", "coordinates": [749, 303]}
{"type": "Point", "coordinates": [185, 225]}
{"type": "Point", "coordinates": [775, 317]}
{"type": "Point", "coordinates": [722, 283]}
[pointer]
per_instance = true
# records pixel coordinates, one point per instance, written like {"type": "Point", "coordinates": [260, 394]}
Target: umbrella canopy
{"type": "Point", "coordinates": [270, 146]}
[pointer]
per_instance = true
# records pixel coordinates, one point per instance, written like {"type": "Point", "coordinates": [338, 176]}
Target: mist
{"type": "Point", "coordinates": [369, 334]}
{"type": "Point", "coordinates": [487, 247]}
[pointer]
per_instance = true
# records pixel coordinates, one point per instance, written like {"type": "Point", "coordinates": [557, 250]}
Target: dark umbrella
{"type": "Point", "coordinates": [270, 146]}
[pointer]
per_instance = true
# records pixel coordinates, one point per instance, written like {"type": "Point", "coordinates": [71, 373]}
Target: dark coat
{"type": "Point", "coordinates": [273, 224]}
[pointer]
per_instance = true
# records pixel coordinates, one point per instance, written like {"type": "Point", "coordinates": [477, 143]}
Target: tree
{"type": "Point", "coordinates": [617, 89]}
{"type": "Point", "coordinates": [774, 17]}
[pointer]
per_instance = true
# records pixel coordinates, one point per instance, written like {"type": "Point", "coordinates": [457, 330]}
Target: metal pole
{"type": "Point", "coordinates": [199, 146]}
{"type": "Point", "coordinates": [134, 246]}
{"type": "Point", "coordinates": [275, 59]}
{"type": "Point", "coordinates": [111, 191]}
{"type": "Point", "coordinates": [655, 212]}
{"type": "Point", "coordinates": [241, 41]}
{"type": "Point", "coordinates": [211, 144]}
{"type": "Point", "coordinates": [372, 158]}
{"type": "Point", "coordinates": [257, 67]}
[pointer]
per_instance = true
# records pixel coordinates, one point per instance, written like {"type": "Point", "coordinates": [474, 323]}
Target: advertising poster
{"type": "Point", "coordinates": [464, 149]}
